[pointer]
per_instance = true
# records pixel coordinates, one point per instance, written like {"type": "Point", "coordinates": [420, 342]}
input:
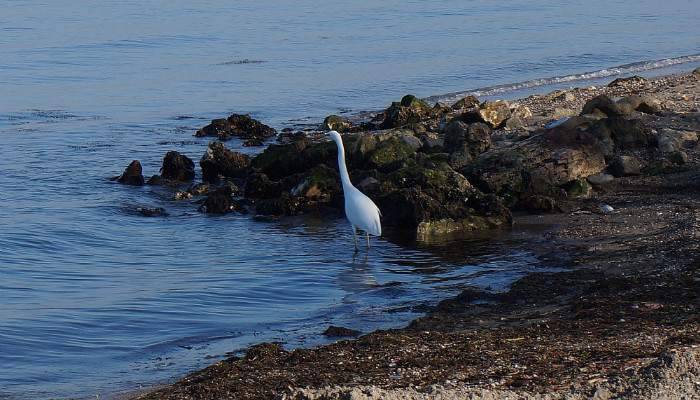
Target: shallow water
{"type": "Point", "coordinates": [96, 299]}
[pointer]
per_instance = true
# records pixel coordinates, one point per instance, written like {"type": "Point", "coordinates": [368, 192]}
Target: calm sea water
{"type": "Point", "coordinates": [96, 299]}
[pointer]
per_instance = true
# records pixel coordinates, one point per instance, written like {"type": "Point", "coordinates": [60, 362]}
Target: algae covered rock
{"type": "Point", "coordinates": [469, 101]}
{"type": "Point", "coordinates": [389, 153]}
{"type": "Point", "coordinates": [238, 125]}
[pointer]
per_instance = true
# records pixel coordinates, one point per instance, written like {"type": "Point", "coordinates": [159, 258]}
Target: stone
{"type": "Point", "coordinates": [494, 113]}
{"type": "Point", "coordinates": [565, 96]}
{"type": "Point", "coordinates": [177, 167]}
{"type": "Point", "coordinates": [469, 101]}
{"type": "Point", "coordinates": [220, 201]}
{"type": "Point", "coordinates": [522, 112]}
{"type": "Point", "coordinates": [514, 123]}
{"type": "Point", "coordinates": [319, 184]}
{"type": "Point", "coordinates": [627, 81]}
{"type": "Point", "coordinates": [678, 157]}
{"type": "Point", "coordinates": [220, 161]}
{"type": "Point", "coordinates": [601, 179]}
{"type": "Point", "coordinates": [238, 125]}
{"type": "Point", "coordinates": [132, 175]}
{"type": "Point", "coordinates": [696, 72]}
{"type": "Point", "coordinates": [603, 104]}
{"type": "Point", "coordinates": [537, 204]}
{"type": "Point", "coordinates": [389, 153]}
{"type": "Point", "coordinates": [339, 331]}
{"type": "Point", "coordinates": [560, 112]}
{"type": "Point", "coordinates": [336, 123]}
{"type": "Point", "coordinates": [625, 166]}
{"type": "Point", "coordinates": [409, 110]}
{"type": "Point", "coordinates": [472, 139]}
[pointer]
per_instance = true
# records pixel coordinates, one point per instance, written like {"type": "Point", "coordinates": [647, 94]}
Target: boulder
{"type": "Point", "coordinates": [625, 166]}
{"type": "Point", "coordinates": [220, 161]}
{"type": "Point", "coordinates": [409, 110]}
{"type": "Point", "coordinates": [469, 101]}
{"type": "Point", "coordinates": [238, 125]}
{"type": "Point", "coordinates": [494, 113]}
{"type": "Point", "coordinates": [336, 123]}
{"type": "Point", "coordinates": [177, 167]}
{"type": "Point", "coordinates": [340, 331]}
{"type": "Point", "coordinates": [321, 183]}
{"type": "Point", "coordinates": [132, 175]}
{"type": "Point", "coordinates": [578, 188]}
{"type": "Point", "coordinates": [537, 204]}
{"type": "Point", "coordinates": [472, 139]}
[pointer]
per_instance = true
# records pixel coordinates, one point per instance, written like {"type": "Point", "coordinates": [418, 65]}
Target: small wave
{"type": "Point", "coordinates": [603, 73]}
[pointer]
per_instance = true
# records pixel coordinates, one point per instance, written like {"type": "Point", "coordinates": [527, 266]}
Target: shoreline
{"type": "Point", "coordinates": [625, 313]}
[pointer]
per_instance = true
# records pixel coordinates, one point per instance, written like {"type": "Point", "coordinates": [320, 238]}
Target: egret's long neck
{"type": "Point", "coordinates": [344, 177]}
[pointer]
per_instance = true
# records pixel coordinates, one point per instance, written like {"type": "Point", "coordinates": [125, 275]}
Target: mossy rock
{"type": "Point", "coordinates": [389, 153]}
{"type": "Point", "coordinates": [412, 101]}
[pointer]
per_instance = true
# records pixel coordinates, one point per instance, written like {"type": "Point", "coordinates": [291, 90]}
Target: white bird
{"type": "Point", "coordinates": [359, 209]}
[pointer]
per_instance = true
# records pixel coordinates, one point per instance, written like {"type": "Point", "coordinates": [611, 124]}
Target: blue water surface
{"type": "Point", "coordinates": [96, 299]}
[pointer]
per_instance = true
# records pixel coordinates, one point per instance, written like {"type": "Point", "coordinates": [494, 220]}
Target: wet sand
{"type": "Point", "coordinates": [622, 321]}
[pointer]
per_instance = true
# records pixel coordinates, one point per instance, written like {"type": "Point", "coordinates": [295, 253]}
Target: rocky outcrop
{"type": "Point", "coordinates": [219, 161]}
{"type": "Point", "coordinates": [177, 167]}
{"type": "Point", "coordinates": [220, 201]}
{"type": "Point", "coordinates": [132, 175]}
{"type": "Point", "coordinates": [252, 131]}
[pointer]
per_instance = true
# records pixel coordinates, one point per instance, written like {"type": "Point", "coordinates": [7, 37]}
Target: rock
{"type": "Point", "coordinates": [620, 133]}
{"type": "Point", "coordinates": [603, 104]}
{"type": "Point", "coordinates": [436, 200]}
{"type": "Point", "coordinates": [494, 113]}
{"type": "Point", "coordinates": [283, 205]}
{"type": "Point", "coordinates": [389, 153]}
{"type": "Point", "coordinates": [537, 204]}
{"type": "Point", "coordinates": [601, 179]}
{"type": "Point", "coordinates": [259, 186]}
{"type": "Point", "coordinates": [670, 140]}
{"type": "Point", "coordinates": [179, 195]}
{"type": "Point", "coordinates": [696, 71]}
{"type": "Point", "coordinates": [220, 161]}
{"type": "Point", "coordinates": [321, 184]}
{"type": "Point", "coordinates": [237, 125]}
{"type": "Point", "coordinates": [678, 157]}
{"type": "Point", "coordinates": [469, 101]}
{"type": "Point", "coordinates": [411, 140]}
{"type": "Point", "coordinates": [522, 112]}
{"type": "Point", "coordinates": [565, 96]}
{"type": "Point", "coordinates": [339, 331]}
{"type": "Point", "coordinates": [410, 110]}
{"type": "Point", "coordinates": [649, 105]}
{"type": "Point", "coordinates": [625, 166]}
{"type": "Point", "coordinates": [336, 123]}
{"type": "Point", "coordinates": [132, 175]}
{"type": "Point", "coordinates": [514, 123]}
{"type": "Point", "coordinates": [432, 142]}
{"type": "Point", "coordinates": [606, 208]}
{"type": "Point", "coordinates": [177, 167]}
{"type": "Point", "coordinates": [631, 80]}
{"type": "Point", "coordinates": [560, 113]}
{"type": "Point", "coordinates": [579, 188]}
{"type": "Point", "coordinates": [368, 185]}
{"type": "Point", "coordinates": [471, 139]}
{"type": "Point", "coordinates": [152, 211]}
{"type": "Point", "coordinates": [220, 202]}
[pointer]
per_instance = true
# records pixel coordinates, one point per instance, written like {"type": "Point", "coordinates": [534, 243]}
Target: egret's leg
{"type": "Point", "coordinates": [354, 234]}
{"type": "Point", "coordinates": [367, 240]}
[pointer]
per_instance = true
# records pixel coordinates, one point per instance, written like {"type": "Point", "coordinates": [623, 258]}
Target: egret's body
{"type": "Point", "coordinates": [359, 209]}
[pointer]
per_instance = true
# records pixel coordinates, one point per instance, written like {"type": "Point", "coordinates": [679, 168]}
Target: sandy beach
{"type": "Point", "coordinates": [620, 321]}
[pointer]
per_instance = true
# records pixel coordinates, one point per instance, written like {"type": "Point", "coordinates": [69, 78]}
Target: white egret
{"type": "Point", "coordinates": [359, 209]}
